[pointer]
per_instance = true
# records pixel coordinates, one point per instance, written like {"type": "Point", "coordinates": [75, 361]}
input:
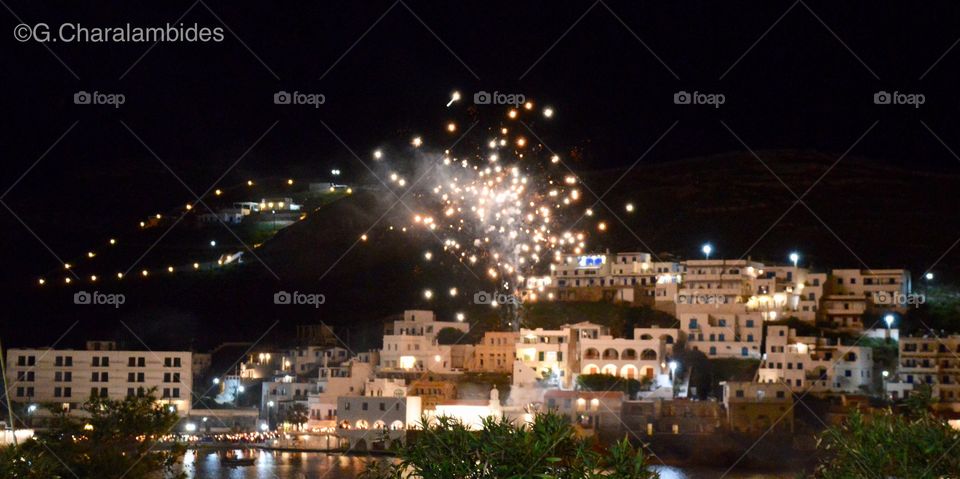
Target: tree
{"type": "Point", "coordinates": [115, 438]}
{"type": "Point", "coordinates": [607, 382]}
{"type": "Point", "coordinates": [449, 336]}
{"type": "Point", "coordinates": [916, 444]}
{"type": "Point", "coordinates": [297, 414]}
{"type": "Point", "coordinates": [28, 461]}
{"type": "Point", "coordinates": [547, 448]}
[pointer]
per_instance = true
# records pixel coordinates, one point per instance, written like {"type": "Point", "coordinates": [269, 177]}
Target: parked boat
{"type": "Point", "coordinates": [239, 457]}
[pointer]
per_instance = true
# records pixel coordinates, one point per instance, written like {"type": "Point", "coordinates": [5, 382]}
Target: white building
{"type": "Point", "coordinates": [815, 364]}
{"type": "Point", "coordinates": [931, 361]}
{"type": "Point", "coordinates": [845, 311]}
{"type": "Point", "coordinates": [718, 283]}
{"type": "Point", "coordinates": [347, 379]}
{"type": "Point", "coordinates": [278, 204]}
{"type": "Point", "coordinates": [69, 377]}
{"type": "Point", "coordinates": [411, 344]}
{"type": "Point", "coordinates": [780, 292]}
{"type": "Point", "coordinates": [644, 356]}
{"type": "Point", "coordinates": [230, 216]}
{"type": "Point", "coordinates": [548, 355]}
{"type": "Point", "coordinates": [390, 387]}
{"type": "Point", "coordinates": [280, 396]}
{"type": "Point", "coordinates": [724, 335]}
{"type": "Point", "coordinates": [470, 412]}
{"type": "Point", "coordinates": [879, 286]}
{"type": "Point", "coordinates": [628, 277]}
{"type": "Point", "coordinates": [305, 359]}
{"type": "Point", "coordinates": [374, 422]}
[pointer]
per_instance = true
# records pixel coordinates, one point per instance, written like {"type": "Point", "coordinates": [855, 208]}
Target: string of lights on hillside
{"type": "Point", "coordinates": [151, 221]}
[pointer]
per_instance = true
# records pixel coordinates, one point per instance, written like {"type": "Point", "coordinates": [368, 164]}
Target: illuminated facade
{"type": "Point", "coordinates": [815, 364]}
{"type": "Point", "coordinates": [629, 277]}
{"type": "Point", "coordinates": [69, 377]}
{"type": "Point", "coordinates": [411, 345]}
{"type": "Point", "coordinates": [495, 353]}
{"type": "Point", "coordinates": [376, 422]}
{"type": "Point", "coordinates": [644, 356]}
{"type": "Point", "coordinates": [724, 335]}
{"type": "Point", "coordinates": [549, 354]}
{"type": "Point", "coordinates": [933, 361]}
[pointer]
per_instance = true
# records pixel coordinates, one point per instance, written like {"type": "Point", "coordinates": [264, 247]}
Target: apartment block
{"type": "Point", "coordinates": [935, 362]}
{"type": "Point", "coordinates": [70, 377]}
{"type": "Point", "coordinates": [820, 365]}
{"type": "Point", "coordinates": [411, 345]}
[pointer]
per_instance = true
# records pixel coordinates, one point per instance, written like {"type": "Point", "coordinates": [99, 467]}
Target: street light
{"type": "Point", "coordinates": [335, 172]}
{"type": "Point", "coordinates": [216, 380]}
{"type": "Point", "coordinates": [889, 320]}
{"type": "Point", "coordinates": [270, 403]}
{"type": "Point", "coordinates": [673, 368]}
{"type": "Point", "coordinates": [929, 276]}
{"type": "Point", "coordinates": [795, 257]}
{"type": "Point", "coordinates": [707, 249]}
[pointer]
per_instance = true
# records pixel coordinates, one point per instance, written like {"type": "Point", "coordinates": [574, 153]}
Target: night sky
{"type": "Point", "coordinates": [795, 75]}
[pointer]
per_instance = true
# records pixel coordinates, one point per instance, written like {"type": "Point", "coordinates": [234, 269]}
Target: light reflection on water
{"type": "Point", "coordinates": [274, 465]}
{"type": "Point", "coordinates": [319, 465]}
{"type": "Point", "coordinates": [670, 472]}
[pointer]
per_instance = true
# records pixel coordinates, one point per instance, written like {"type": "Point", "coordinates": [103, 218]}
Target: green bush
{"type": "Point", "coordinates": [916, 445]}
{"type": "Point", "coordinates": [117, 438]}
{"type": "Point", "coordinates": [549, 448]}
{"type": "Point", "coordinates": [607, 382]}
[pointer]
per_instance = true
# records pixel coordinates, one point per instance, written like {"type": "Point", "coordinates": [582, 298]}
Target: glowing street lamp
{"type": "Point", "coordinates": [794, 257]}
{"type": "Point", "coordinates": [455, 96]}
{"type": "Point", "coordinates": [216, 380]}
{"type": "Point", "coordinates": [707, 249]}
{"type": "Point", "coordinates": [928, 276]}
{"type": "Point", "coordinates": [673, 367]}
{"type": "Point", "coordinates": [335, 172]}
{"type": "Point", "coordinates": [889, 320]}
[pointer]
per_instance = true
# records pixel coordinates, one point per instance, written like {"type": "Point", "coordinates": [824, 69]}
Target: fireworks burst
{"type": "Point", "coordinates": [497, 209]}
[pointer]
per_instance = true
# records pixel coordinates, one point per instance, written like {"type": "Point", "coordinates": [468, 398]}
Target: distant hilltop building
{"type": "Point", "coordinates": [741, 287]}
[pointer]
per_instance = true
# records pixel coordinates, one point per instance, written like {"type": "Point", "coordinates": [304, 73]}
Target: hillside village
{"type": "Point", "coordinates": [770, 337]}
